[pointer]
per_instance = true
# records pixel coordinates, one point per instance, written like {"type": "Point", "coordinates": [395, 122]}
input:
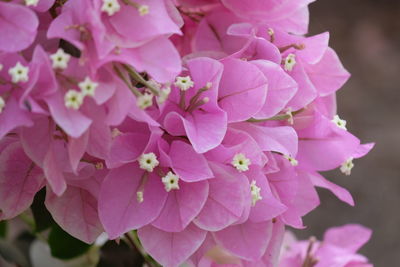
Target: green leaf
{"type": "Point", "coordinates": [3, 229]}
{"type": "Point", "coordinates": [41, 215]}
{"type": "Point", "coordinates": [63, 245]}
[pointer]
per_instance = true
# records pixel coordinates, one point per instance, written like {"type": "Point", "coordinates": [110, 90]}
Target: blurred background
{"type": "Point", "coordinates": [366, 36]}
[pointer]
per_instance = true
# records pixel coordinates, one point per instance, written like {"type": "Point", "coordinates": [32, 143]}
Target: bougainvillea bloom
{"type": "Point", "coordinates": [200, 125]}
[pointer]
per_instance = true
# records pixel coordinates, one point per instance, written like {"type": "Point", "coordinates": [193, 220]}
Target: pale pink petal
{"type": "Point", "coordinates": [171, 249]}
{"type": "Point", "coordinates": [122, 212]}
{"type": "Point", "coordinates": [20, 179]}
{"type": "Point", "coordinates": [182, 206]}
{"type": "Point", "coordinates": [248, 240]}
{"type": "Point", "coordinates": [226, 199]}
{"type": "Point", "coordinates": [76, 212]}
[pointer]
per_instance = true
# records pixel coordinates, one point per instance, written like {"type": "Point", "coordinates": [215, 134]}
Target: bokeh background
{"type": "Point", "coordinates": [366, 35]}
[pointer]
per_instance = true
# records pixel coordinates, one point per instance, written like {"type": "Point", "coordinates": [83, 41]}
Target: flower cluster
{"type": "Point", "coordinates": [338, 248]}
{"type": "Point", "coordinates": [200, 124]}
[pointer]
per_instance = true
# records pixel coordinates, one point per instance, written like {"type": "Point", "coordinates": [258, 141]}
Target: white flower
{"type": "Point", "coordinates": [2, 104]}
{"type": "Point", "coordinates": [1, 67]}
{"type": "Point", "coordinates": [110, 7]}
{"type": "Point", "coordinates": [292, 161]}
{"type": "Point", "coordinates": [184, 83]}
{"type": "Point", "coordinates": [88, 87]}
{"type": "Point", "coordinates": [144, 101]}
{"type": "Point", "coordinates": [164, 94]}
{"type": "Point", "coordinates": [31, 2]}
{"type": "Point", "coordinates": [290, 62]}
{"type": "Point", "coordinates": [139, 196]}
{"type": "Point", "coordinates": [240, 162]}
{"type": "Point", "coordinates": [148, 161]}
{"type": "Point", "coordinates": [60, 59]}
{"type": "Point", "coordinates": [170, 181]}
{"type": "Point", "coordinates": [143, 10]}
{"type": "Point", "coordinates": [339, 122]}
{"type": "Point", "coordinates": [347, 166]}
{"type": "Point", "coordinates": [19, 73]}
{"type": "Point", "coordinates": [73, 99]}
{"type": "Point", "coordinates": [255, 193]}
{"type": "Point", "coordinates": [115, 133]}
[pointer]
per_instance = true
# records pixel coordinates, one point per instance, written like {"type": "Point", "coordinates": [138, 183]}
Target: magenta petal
{"type": "Point", "coordinates": [315, 48]}
{"type": "Point", "coordinates": [41, 130]}
{"type": "Point", "coordinates": [268, 207]}
{"type": "Point", "coordinates": [126, 148]}
{"type": "Point", "coordinates": [248, 240]}
{"type": "Point", "coordinates": [20, 179]}
{"type": "Point", "coordinates": [18, 26]}
{"type": "Point", "coordinates": [190, 166]}
{"type": "Point", "coordinates": [204, 130]}
{"type": "Point", "coordinates": [158, 57]}
{"type": "Point", "coordinates": [182, 206]}
{"type": "Point", "coordinates": [226, 199]}
{"type": "Point", "coordinates": [281, 139]}
{"type": "Point", "coordinates": [272, 254]}
{"type": "Point", "coordinates": [171, 249]}
{"type": "Point", "coordinates": [242, 84]}
{"type": "Point", "coordinates": [76, 212]}
{"type": "Point", "coordinates": [122, 212]}
{"type": "Point", "coordinates": [71, 121]}
{"type": "Point", "coordinates": [307, 91]}
{"type": "Point", "coordinates": [350, 237]}
{"type": "Point", "coordinates": [12, 117]}
{"type": "Point", "coordinates": [54, 172]}
{"type": "Point", "coordinates": [281, 88]}
{"type": "Point", "coordinates": [328, 75]}
{"type": "Point", "coordinates": [339, 192]}
{"type": "Point", "coordinates": [76, 149]}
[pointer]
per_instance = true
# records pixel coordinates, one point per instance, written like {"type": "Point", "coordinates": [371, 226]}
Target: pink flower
{"type": "Point", "coordinates": [338, 248]}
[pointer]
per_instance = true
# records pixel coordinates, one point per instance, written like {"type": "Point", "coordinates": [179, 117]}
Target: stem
{"type": "Point", "coordinates": [182, 103]}
{"type": "Point", "coordinates": [126, 81]}
{"type": "Point", "coordinates": [137, 77]}
{"type": "Point", "coordinates": [134, 242]}
{"type": "Point", "coordinates": [278, 117]}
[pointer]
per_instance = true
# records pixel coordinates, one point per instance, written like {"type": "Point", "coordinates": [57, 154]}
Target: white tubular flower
{"type": "Point", "coordinates": [164, 94]}
{"type": "Point", "coordinates": [73, 99]}
{"type": "Point", "coordinates": [290, 62]}
{"type": "Point", "coordinates": [170, 181]}
{"type": "Point", "coordinates": [148, 161]}
{"type": "Point", "coordinates": [255, 193]}
{"type": "Point", "coordinates": [144, 101]}
{"type": "Point", "coordinates": [1, 67]}
{"type": "Point", "coordinates": [184, 83]}
{"type": "Point", "coordinates": [347, 166]}
{"type": "Point", "coordinates": [139, 196]}
{"type": "Point", "coordinates": [60, 59]}
{"type": "Point", "coordinates": [339, 122]}
{"type": "Point", "coordinates": [2, 104]}
{"type": "Point", "coordinates": [88, 87]}
{"type": "Point", "coordinates": [240, 162]}
{"type": "Point", "coordinates": [31, 2]}
{"type": "Point", "coordinates": [110, 7]}
{"type": "Point", "coordinates": [143, 10]}
{"type": "Point", "coordinates": [292, 161]}
{"type": "Point", "coordinates": [19, 73]}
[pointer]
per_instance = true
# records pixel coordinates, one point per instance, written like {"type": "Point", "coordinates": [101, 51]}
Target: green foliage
{"type": "Point", "coordinates": [3, 229]}
{"type": "Point", "coordinates": [119, 255]}
{"type": "Point", "coordinates": [65, 246]}
{"type": "Point", "coordinates": [41, 215]}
